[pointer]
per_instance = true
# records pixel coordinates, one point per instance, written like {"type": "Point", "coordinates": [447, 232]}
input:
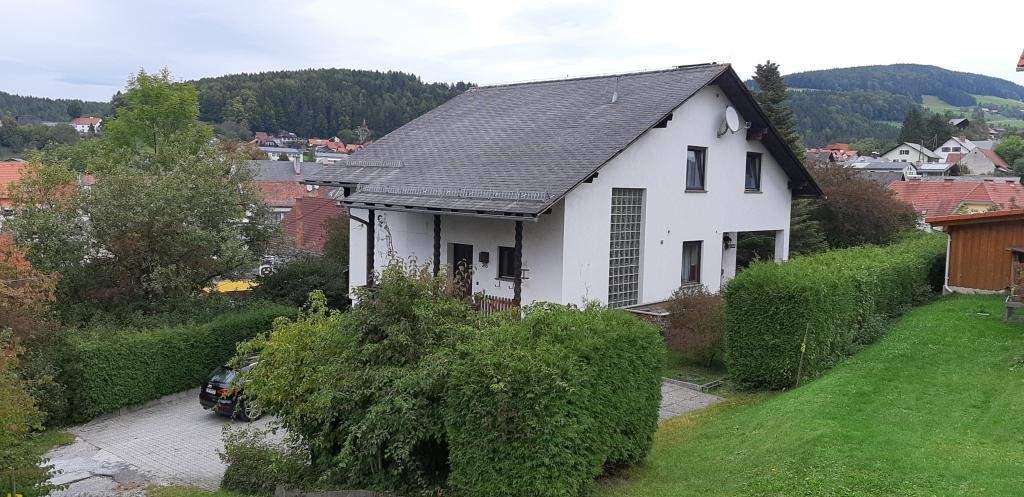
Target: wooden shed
{"type": "Point", "coordinates": [979, 257]}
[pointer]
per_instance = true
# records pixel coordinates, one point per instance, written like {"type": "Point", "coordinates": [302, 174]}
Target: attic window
{"type": "Point", "coordinates": [664, 122]}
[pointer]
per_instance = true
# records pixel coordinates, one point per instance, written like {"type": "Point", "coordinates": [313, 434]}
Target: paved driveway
{"type": "Point", "coordinates": [171, 441]}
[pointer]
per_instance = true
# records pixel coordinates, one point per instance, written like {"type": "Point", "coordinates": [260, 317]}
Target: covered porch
{"type": "Point", "coordinates": [492, 261]}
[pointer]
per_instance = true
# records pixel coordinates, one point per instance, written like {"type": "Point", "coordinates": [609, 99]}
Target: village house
{"type": "Point", "coordinates": [84, 125]}
{"type": "Point", "coordinates": [276, 153]}
{"type": "Point", "coordinates": [631, 186]}
{"type": "Point", "coordinates": [911, 152]}
{"type": "Point", "coordinates": [281, 183]}
{"type": "Point", "coordinates": [948, 196]}
{"type": "Point", "coordinates": [306, 224]}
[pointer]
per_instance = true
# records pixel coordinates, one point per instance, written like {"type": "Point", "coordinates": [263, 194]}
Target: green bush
{"type": "Point", "coordinates": [104, 371]}
{"type": "Point", "coordinates": [257, 467]}
{"type": "Point", "coordinates": [542, 407]}
{"type": "Point", "coordinates": [291, 284]}
{"type": "Point", "coordinates": [825, 305]}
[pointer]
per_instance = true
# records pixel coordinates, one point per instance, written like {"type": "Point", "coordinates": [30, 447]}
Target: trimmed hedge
{"type": "Point", "coordinates": [541, 407]}
{"type": "Point", "coordinates": [106, 371]}
{"type": "Point", "coordinates": [830, 304]}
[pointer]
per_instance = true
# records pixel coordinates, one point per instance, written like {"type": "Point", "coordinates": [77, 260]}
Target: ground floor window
{"type": "Point", "coordinates": [506, 263]}
{"type": "Point", "coordinates": [691, 261]}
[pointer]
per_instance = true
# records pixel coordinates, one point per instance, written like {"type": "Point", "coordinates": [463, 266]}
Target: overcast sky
{"type": "Point", "coordinates": [88, 49]}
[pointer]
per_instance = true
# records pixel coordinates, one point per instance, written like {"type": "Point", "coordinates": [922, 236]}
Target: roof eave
{"type": "Point", "coordinates": [511, 216]}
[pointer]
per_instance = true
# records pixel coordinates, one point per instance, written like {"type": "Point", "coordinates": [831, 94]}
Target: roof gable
{"type": "Point", "coordinates": [517, 149]}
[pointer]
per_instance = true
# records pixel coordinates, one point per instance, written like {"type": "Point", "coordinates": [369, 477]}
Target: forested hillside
{"type": "Point", "coordinates": [320, 102]}
{"type": "Point", "coordinates": [49, 109]}
{"type": "Point", "coordinates": [912, 80]}
{"type": "Point", "coordinates": [824, 116]}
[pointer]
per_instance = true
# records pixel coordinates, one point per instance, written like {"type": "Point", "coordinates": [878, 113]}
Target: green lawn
{"type": "Point", "coordinates": [936, 104]}
{"type": "Point", "coordinates": [934, 409]}
{"type": "Point", "coordinates": [156, 491]}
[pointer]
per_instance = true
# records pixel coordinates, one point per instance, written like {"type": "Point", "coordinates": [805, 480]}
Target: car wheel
{"type": "Point", "coordinates": [249, 412]}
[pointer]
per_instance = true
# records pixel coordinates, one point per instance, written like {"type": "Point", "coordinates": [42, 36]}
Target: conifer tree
{"type": "Point", "coordinates": [772, 97]}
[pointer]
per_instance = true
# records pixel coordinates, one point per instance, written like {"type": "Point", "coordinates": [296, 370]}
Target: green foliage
{"type": "Point", "coordinates": [162, 219]}
{"type": "Point", "coordinates": [926, 128]}
{"type": "Point", "coordinates": [805, 233]}
{"type": "Point", "coordinates": [292, 283]}
{"type": "Point", "coordinates": [256, 467]}
{"type": "Point", "coordinates": [1011, 149]}
{"type": "Point", "coordinates": [321, 102]}
{"type": "Point", "coordinates": [793, 321]}
{"type": "Point", "coordinates": [18, 139]}
{"type": "Point", "coordinates": [824, 116]}
{"type": "Point", "coordinates": [1018, 166]}
{"type": "Point", "coordinates": [19, 418]}
{"type": "Point", "coordinates": [772, 96]}
{"type": "Point", "coordinates": [363, 389]}
{"type": "Point", "coordinates": [48, 109]}
{"type": "Point", "coordinates": [912, 80]}
{"type": "Point", "coordinates": [857, 211]}
{"type": "Point", "coordinates": [932, 409]}
{"type": "Point", "coordinates": [104, 371]}
{"type": "Point", "coordinates": [543, 406]}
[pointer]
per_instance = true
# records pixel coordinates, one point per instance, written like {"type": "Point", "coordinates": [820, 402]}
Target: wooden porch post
{"type": "Point", "coordinates": [517, 266]}
{"type": "Point", "coordinates": [437, 244]}
{"type": "Point", "coordinates": [371, 238]}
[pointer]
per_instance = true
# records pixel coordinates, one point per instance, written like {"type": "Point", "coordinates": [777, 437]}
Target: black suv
{"type": "Point", "coordinates": [223, 394]}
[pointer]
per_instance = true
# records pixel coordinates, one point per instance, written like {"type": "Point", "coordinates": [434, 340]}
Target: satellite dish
{"type": "Point", "coordinates": [732, 119]}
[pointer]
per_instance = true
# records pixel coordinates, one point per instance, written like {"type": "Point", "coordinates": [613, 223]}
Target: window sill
{"type": "Point", "coordinates": [752, 191]}
{"type": "Point", "coordinates": [505, 278]}
{"type": "Point", "coordinates": [688, 190]}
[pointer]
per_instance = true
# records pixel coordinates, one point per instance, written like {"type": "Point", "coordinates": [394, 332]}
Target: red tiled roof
{"type": "Point", "coordinates": [305, 224]}
{"type": "Point", "coordinates": [954, 157]}
{"type": "Point", "coordinates": [10, 173]}
{"type": "Point", "coordinates": [842, 147]}
{"type": "Point", "coordinates": [980, 217]}
{"type": "Point", "coordinates": [283, 193]}
{"type": "Point", "coordinates": [1020, 63]}
{"type": "Point", "coordinates": [940, 198]}
{"type": "Point", "coordinates": [85, 121]}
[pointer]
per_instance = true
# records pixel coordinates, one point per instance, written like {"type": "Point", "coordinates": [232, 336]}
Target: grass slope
{"type": "Point", "coordinates": [934, 408]}
{"type": "Point", "coordinates": [936, 104]}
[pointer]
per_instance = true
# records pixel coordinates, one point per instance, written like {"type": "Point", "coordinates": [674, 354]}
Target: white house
{"type": "Point", "coordinates": [954, 145]}
{"type": "Point", "coordinates": [275, 153]}
{"type": "Point", "coordinates": [84, 124]}
{"type": "Point", "coordinates": [614, 188]}
{"type": "Point", "coordinates": [984, 161]}
{"type": "Point", "coordinates": [911, 152]}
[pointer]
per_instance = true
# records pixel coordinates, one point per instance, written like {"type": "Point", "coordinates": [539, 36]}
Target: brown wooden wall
{"type": "Point", "coordinates": [977, 254]}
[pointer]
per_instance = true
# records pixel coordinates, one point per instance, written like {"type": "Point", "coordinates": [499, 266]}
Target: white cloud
{"type": "Point", "coordinates": [88, 49]}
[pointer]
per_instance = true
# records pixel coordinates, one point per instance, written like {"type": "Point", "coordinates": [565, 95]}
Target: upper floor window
{"type": "Point", "coordinates": [945, 149]}
{"type": "Point", "coordinates": [752, 183]}
{"type": "Point", "coordinates": [956, 149]}
{"type": "Point", "coordinates": [696, 168]}
{"type": "Point", "coordinates": [904, 152]}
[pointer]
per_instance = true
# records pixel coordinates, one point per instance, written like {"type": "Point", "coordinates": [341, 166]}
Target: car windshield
{"type": "Point", "coordinates": [222, 375]}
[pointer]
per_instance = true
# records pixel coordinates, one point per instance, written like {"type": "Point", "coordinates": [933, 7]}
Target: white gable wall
{"type": "Point", "coordinates": [657, 162]}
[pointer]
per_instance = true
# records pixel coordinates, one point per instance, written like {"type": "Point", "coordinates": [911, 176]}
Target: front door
{"type": "Point", "coordinates": [462, 267]}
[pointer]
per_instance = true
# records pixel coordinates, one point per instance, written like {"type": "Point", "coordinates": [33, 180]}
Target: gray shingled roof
{"type": "Point", "coordinates": [284, 170]}
{"type": "Point", "coordinates": [517, 149]}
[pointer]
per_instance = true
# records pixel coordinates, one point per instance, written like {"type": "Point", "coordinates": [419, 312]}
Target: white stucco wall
{"type": "Point", "coordinates": [565, 253]}
{"type": "Point", "coordinates": [412, 237]}
{"type": "Point", "coordinates": [912, 155]}
{"type": "Point", "coordinates": [657, 162]}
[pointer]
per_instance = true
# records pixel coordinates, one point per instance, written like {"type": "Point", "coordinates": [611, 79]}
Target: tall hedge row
{"type": "Point", "coordinates": [797, 319]}
{"type": "Point", "coordinates": [104, 371]}
{"type": "Point", "coordinates": [542, 406]}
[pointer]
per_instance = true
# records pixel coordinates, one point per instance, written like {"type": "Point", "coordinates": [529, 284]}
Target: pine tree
{"type": "Point", "coordinates": [913, 126]}
{"type": "Point", "coordinates": [805, 234]}
{"type": "Point", "coordinates": [772, 97]}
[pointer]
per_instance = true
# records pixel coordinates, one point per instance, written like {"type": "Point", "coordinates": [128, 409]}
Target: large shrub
{"type": "Point", "coordinates": [543, 406]}
{"type": "Point", "coordinates": [292, 283]}
{"type": "Point", "coordinates": [19, 417]}
{"type": "Point", "coordinates": [794, 320]}
{"type": "Point", "coordinates": [363, 390]}
{"type": "Point", "coordinates": [104, 371]}
{"type": "Point", "coordinates": [696, 324]}
{"type": "Point", "coordinates": [257, 466]}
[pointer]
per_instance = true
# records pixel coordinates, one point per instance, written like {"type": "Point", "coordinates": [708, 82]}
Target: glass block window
{"type": "Point", "coordinates": [627, 224]}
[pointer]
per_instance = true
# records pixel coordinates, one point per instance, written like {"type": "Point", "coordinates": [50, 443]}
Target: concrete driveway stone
{"type": "Point", "coordinates": [170, 441]}
{"type": "Point", "coordinates": [677, 400]}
